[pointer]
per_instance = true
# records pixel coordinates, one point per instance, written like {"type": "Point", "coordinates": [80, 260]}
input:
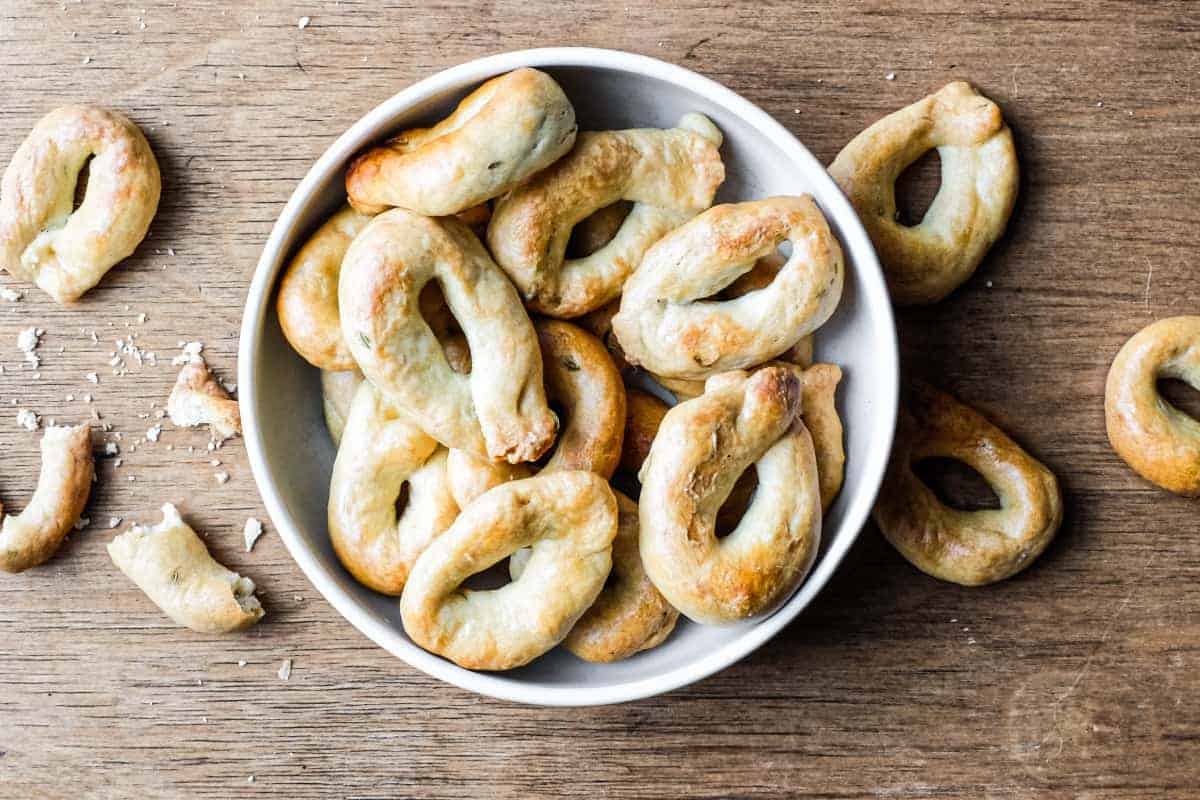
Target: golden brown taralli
{"type": "Point", "coordinates": [498, 410]}
{"type": "Point", "coordinates": [667, 327]}
{"type": "Point", "coordinates": [198, 398]}
{"type": "Point", "coordinates": [925, 262]}
{"type": "Point", "coordinates": [1158, 440]}
{"type": "Point", "coordinates": [43, 238]}
{"type": "Point", "coordinates": [381, 452]}
{"type": "Point", "coordinates": [503, 132]}
{"type": "Point", "coordinates": [669, 175]}
{"type": "Point", "coordinates": [702, 447]}
{"type": "Point", "coordinates": [629, 615]}
{"type": "Point", "coordinates": [971, 548]}
{"type": "Point", "coordinates": [29, 538]}
{"type": "Point", "coordinates": [568, 519]}
{"type": "Point", "coordinates": [308, 294]}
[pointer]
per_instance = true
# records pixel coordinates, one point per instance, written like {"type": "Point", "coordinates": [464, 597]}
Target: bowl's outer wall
{"type": "Point", "coordinates": [295, 454]}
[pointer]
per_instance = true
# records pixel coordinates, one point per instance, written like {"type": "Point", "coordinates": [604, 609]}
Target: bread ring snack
{"type": "Point", "coordinates": [586, 388]}
{"type": "Point", "coordinates": [569, 520]}
{"type": "Point", "coordinates": [971, 548]}
{"type": "Point", "coordinates": [818, 391]}
{"type": "Point", "coordinates": [499, 410]}
{"type": "Point", "coordinates": [663, 328]}
{"type": "Point", "coordinates": [925, 262]}
{"type": "Point", "coordinates": [669, 175]}
{"type": "Point", "coordinates": [198, 398]}
{"type": "Point", "coordinates": [630, 615]}
{"type": "Point", "coordinates": [381, 452]}
{"type": "Point", "coordinates": [1158, 440]}
{"type": "Point", "coordinates": [506, 130]}
{"type": "Point", "coordinates": [170, 563]}
{"type": "Point", "coordinates": [702, 448]}
{"type": "Point", "coordinates": [29, 538]}
{"type": "Point", "coordinates": [337, 393]}
{"type": "Point", "coordinates": [64, 251]}
{"type": "Point", "coordinates": [308, 294]}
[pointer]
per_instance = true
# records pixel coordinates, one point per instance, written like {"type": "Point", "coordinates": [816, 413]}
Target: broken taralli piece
{"type": "Point", "coordinates": [198, 399]}
{"type": "Point", "coordinates": [29, 538]}
{"type": "Point", "coordinates": [170, 563]}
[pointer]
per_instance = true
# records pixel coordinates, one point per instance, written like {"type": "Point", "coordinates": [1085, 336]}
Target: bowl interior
{"type": "Point", "coordinates": [297, 453]}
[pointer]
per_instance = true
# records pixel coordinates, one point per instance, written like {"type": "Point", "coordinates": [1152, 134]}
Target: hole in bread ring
{"type": "Point", "coordinates": [630, 615]}
{"type": "Point", "coordinates": [582, 380]}
{"type": "Point", "coordinates": [506, 130]}
{"type": "Point", "coordinates": [568, 519]}
{"type": "Point", "coordinates": [382, 453]}
{"type": "Point", "coordinates": [1157, 439]}
{"type": "Point", "coordinates": [925, 262]}
{"type": "Point", "coordinates": [64, 482]}
{"type": "Point", "coordinates": [702, 447]}
{"type": "Point", "coordinates": [44, 237]}
{"type": "Point", "coordinates": [666, 326]}
{"type": "Point", "coordinates": [499, 410]}
{"type": "Point", "coordinates": [971, 548]}
{"type": "Point", "coordinates": [668, 175]}
{"type": "Point", "coordinates": [171, 564]}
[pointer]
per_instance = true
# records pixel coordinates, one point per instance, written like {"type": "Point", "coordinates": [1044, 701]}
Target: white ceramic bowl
{"type": "Point", "coordinates": [291, 453]}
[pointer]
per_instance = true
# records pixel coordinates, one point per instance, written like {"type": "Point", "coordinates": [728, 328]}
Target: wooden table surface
{"type": "Point", "coordinates": [1078, 678]}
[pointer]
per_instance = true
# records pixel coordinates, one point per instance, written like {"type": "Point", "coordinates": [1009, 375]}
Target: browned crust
{"type": "Point", "coordinates": [971, 548]}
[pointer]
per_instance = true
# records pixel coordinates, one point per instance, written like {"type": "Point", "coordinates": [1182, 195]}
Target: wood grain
{"type": "Point", "coordinates": [1078, 678]}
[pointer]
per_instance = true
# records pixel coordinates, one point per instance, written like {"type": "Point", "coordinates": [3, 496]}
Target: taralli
{"type": "Point", "coordinates": [818, 391]}
{"type": "Point", "coordinates": [1158, 440]}
{"type": "Point", "coordinates": [630, 615]}
{"type": "Point", "coordinates": [380, 453]}
{"type": "Point", "coordinates": [499, 410]}
{"type": "Point", "coordinates": [568, 519]}
{"type": "Point", "coordinates": [583, 384]}
{"type": "Point", "coordinates": [29, 538]}
{"type": "Point", "coordinates": [337, 393]}
{"type": "Point", "coordinates": [669, 175]}
{"type": "Point", "coordinates": [170, 563]}
{"type": "Point", "coordinates": [308, 294]}
{"type": "Point", "coordinates": [702, 447]}
{"type": "Point", "coordinates": [661, 325]}
{"type": "Point", "coordinates": [198, 398]}
{"type": "Point", "coordinates": [64, 251]}
{"type": "Point", "coordinates": [928, 261]}
{"type": "Point", "coordinates": [500, 134]}
{"type": "Point", "coordinates": [971, 548]}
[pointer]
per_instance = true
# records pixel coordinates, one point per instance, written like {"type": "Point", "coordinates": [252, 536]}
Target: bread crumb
{"type": "Point", "coordinates": [111, 448]}
{"type": "Point", "coordinates": [82, 523]}
{"type": "Point", "coordinates": [891, 76]}
{"type": "Point", "coordinates": [241, 662]}
{"type": "Point", "coordinates": [191, 352]}
{"type": "Point", "coordinates": [11, 295]}
{"type": "Point", "coordinates": [92, 377]}
{"type": "Point", "coordinates": [154, 432]}
{"type": "Point", "coordinates": [27, 419]}
{"type": "Point", "coordinates": [285, 669]}
{"type": "Point", "coordinates": [114, 522]}
{"type": "Point", "coordinates": [251, 532]}
{"type": "Point", "coordinates": [27, 341]}
{"type": "Point", "coordinates": [303, 23]}
{"type": "Point", "coordinates": [222, 477]}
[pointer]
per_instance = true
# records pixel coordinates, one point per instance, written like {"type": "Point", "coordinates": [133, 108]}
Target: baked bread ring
{"type": "Point", "coordinates": [669, 175]}
{"type": "Point", "coordinates": [499, 410]}
{"type": "Point", "coordinates": [1158, 440]}
{"type": "Point", "coordinates": [29, 538]}
{"type": "Point", "coordinates": [971, 548]}
{"type": "Point", "coordinates": [629, 615]}
{"type": "Point", "coordinates": [569, 519]}
{"type": "Point", "coordinates": [64, 251]}
{"type": "Point", "coordinates": [663, 328]}
{"type": "Point", "coordinates": [381, 452]}
{"type": "Point", "coordinates": [818, 391]}
{"type": "Point", "coordinates": [337, 393]}
{"type": "Point", "coordinates": [586, 388]}
{"type": "Point", "coordinates": [514, 125]}
{"type": "Point", "coordinates": [308, 294]}
{"type": "Point", "coordinates": [170, 563]}
{"type": "Point", "coordinates": [928, 261]}
{"type": "Point", "coordinates": [702, 448]}
{"type": "Point", "coordinates": [198, 398]}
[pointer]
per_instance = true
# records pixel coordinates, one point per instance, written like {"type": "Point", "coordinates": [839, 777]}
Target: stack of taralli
{"type": "Point", "coordinates": [923, 264]}
{"type": "Point", "coordinates": [476, 309]}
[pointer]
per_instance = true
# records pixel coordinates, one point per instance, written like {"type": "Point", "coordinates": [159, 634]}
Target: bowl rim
{"type": "Point", "coordinates": [367, 128]}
